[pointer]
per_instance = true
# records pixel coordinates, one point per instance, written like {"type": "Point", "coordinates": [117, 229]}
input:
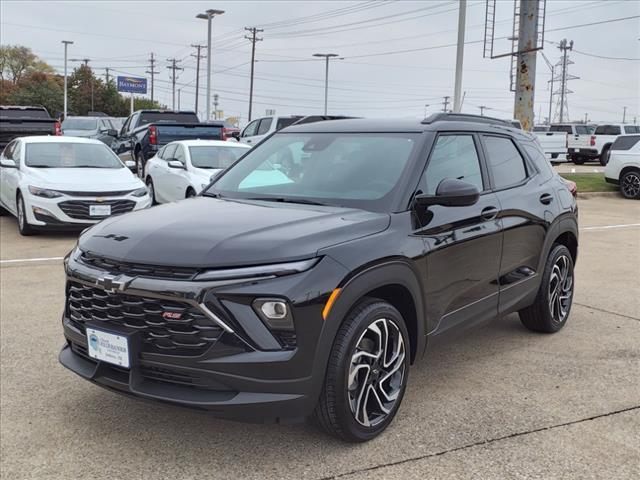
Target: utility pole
{"type": "Point", "coordinates": [527, 34]}
{"type": "Point", "coordinates": [179, 90]}
{"type": "Point", "coordinates": [174, 76]}
{"type": "Point", "coordinates": [482, 109]}
{"type": "Point", "coordinates": [197, 57]}
{"type": "Point", "coordinates": [446, 103]}
{"type": "Point", "coordinates": [208, 16]}
{"type": "Point", "coordinates": [106, 69]}
{"type": "Point", "coordinates": [253, 39]}
{"type": "Point", "coordinates": [624, 114]}
{"type": "Point", "coordinates": [462, 13]}
{"type": "Point", "coordinates": [66, 44]}
{"type": "Point", "coordinates": [326, 57]}
{"type": "Point", "coordinates": [152, 72]}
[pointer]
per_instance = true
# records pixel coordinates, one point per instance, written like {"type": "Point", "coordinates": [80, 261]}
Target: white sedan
{"type": "Point", "coordinates": [62, 182]}
{"type": "Point", "coordinates": [183, 168]}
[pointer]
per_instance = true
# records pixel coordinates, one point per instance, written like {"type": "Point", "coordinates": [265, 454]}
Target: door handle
{"type": "Point", "coordinates": [248, 141]}
{"type": "Point", "coordinates": [489, 213]}
{"type": "Point", "coordinates": [546, 198]}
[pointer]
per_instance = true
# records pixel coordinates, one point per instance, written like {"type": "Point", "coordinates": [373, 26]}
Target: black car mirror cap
{"type": "Point", "coordinates": [173, 163]}
{"type": "Point", "coordinates": [451, 192]}
{"type": "Point", "coordinates": [112, 132]}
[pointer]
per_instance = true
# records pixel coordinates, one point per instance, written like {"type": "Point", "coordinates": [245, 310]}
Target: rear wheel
{"type": "Point", "coordinates": [630, 184]}
{"type": "Point", "coordinates": [367, 373]}
{"type": "Point", "coordinates": [578, 160]}
{"type": "Point", "coordinates": [552, 305]}
{"type": "Point", "coordinates": [23, 224]}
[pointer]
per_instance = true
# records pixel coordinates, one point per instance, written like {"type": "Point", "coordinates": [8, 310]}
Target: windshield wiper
{"type": "Point", "coordinates": [287, 200]}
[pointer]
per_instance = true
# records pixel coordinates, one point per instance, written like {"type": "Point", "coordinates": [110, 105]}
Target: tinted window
{"type": "Point", "coordinates": [561, 128]}
{"type": "Point", "coordinates": [8, 150]}
{"type": "Point", "coordinates": [250, 129]}
{"type": "Point", "coordinates": [507, 166]}
{"type": "Point", "coordinates": [540, 129]}
{"type": "Point", "coordinates": [607, 130]}
{"type": "Point", "coordinates": [583, 130]}
{"type": "Point", "coordinates": [171, 117]}
{"type": "Point", "coordinates": [453, 156]}
{"type": "Point", "coordinates": [24, 113]}
{"type": "Point", "coordinates": [354, 170]}
{"type": "Point", "coordinates": [70, 155]}
{"type": "Point", "coordinates": [215, 157]}
{"type": "Point", "coordinates": [80, 124]}
{"type": "Point", "coordinates": [625, 142]}
{"type": "Point", "coordinates": [285, 122]}
{"type": "Point", "coordinates": [631, 129]}
{"type": "Point", "coordinates": [539, 159]}
{"type": "Point", "coordinates": [265, 123]}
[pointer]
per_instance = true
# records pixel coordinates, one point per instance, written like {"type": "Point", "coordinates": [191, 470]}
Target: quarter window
{"type": "Point", "coordinates": [505, 162]}
{"type": "Point", "coordinates": [454, 156]}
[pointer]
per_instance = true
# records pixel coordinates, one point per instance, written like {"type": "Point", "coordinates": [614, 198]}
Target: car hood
{"type": "Point", "coordinates": [208, 232]}
{"type": "Point", "coordinates": [84, 179]}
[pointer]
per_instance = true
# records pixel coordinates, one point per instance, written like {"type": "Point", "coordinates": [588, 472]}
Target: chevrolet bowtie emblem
{"type": "Point", "coordinates": [110, 283]}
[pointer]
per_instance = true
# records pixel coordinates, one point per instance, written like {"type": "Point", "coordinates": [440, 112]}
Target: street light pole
{"type": "Point", "coordinates": [208, 16]}
{"type": "Point", "coordinates": [66, 44]}
{"type": "Point", "coordinates": [462, 14]}
{"type": "Point", "coordinates": [326, 57]}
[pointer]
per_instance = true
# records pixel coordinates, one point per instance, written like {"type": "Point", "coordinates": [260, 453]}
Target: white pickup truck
{"type": "Point", "coordinates": [553, 143]}
{"type": "Point", "coordinates": [578, 138]}
{"type": "Point", "coordinates": [601, 140]}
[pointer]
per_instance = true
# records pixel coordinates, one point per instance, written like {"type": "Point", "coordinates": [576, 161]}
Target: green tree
{"type": "Point", "coordinates": [38, 88]}
{"type": "Point", "coordinates": [17, 61]}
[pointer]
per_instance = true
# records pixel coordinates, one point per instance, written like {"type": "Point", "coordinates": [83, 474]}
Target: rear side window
{"type": "Point", "coordinates": [607, 130]}
{"type": "Point", "coordinates": [631, 129]}
{"type": "Point", "coordinates": [538, 158]}
{"type": "Point", "coordinates": [625, 142]}
{"type": "Point", "coordinates": [454, 156]}
{"type": "Point", "coordinates": [265, 124]}
{"type": "Point", "coordinates": [582, 130]}
{"type": "Point", "coordinates": [505, 162]}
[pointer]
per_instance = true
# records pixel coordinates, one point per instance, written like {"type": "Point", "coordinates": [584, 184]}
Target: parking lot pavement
{"type": "Point", "coordinates": [499, 402]}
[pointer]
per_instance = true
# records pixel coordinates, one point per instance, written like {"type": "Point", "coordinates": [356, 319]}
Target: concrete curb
{"type": "Point", "coordinates": [588, 195]}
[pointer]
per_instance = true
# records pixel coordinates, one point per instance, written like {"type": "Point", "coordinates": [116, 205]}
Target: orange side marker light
{"type": "Point", "coordinates": [327, 307]}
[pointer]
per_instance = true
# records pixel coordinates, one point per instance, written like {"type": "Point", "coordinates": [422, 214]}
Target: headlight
{"type": "Point", "coordinates": [140, 192]}
{"type": "Point", "coordinates": [43, 192]}
{"type": "Point", "coordinates": [273, 270]}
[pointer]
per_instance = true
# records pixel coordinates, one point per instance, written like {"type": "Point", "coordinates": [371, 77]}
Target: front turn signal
{"type": "Point", "coordinates": [327, 306]}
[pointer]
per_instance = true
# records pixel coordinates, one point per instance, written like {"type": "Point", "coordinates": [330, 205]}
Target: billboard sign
{"type": "Point", "coordinates": [132, 84]}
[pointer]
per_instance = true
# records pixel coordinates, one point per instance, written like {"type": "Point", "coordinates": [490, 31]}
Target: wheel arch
{"type": "Point", "coordinates": [627, 169]}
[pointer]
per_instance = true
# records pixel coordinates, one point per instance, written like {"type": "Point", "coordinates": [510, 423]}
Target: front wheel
{"type": "Point", "coordinates": [152, 191]}
{"type": "Point", "coordinates": [550, 310]}
{"type": "Point", "coordinates": [23, 224]}
{"type": "Point", "coordinates": [190, 193]}
{"type": "Point", "coordinates": [140, 164]}
{"type": "Point", "coordinates": [630, 185]}
{"type": "Point", "coordinates": [366, 374]}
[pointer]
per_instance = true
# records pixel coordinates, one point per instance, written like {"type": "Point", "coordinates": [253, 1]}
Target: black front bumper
{"type": "Point", "coordinates": [244, 374]}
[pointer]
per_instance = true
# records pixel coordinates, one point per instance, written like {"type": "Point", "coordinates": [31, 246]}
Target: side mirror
{"type": "Point", "coordinates": [173, 163]}
{"type": "Point", "coordinates": [112, 132]}
{"type": "Point", "coordinates": [451, 192]}
{"type": "Point", "coordinates": [130, 164]}
{"type": "Point", "coordinates": [7, 163]}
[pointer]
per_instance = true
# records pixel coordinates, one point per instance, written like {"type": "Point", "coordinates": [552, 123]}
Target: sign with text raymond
{"type": "Point", "coordinates": [132, 85]}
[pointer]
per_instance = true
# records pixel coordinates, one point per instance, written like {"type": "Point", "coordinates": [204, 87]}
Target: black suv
{"type": "Point", "coordinates": [308, 277]}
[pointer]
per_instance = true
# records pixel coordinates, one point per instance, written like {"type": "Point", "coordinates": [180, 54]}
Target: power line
{"type": "Point", "coordinates": [174, 68]}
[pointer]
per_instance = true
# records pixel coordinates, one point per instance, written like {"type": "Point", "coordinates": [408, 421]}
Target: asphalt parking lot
{"type": "Point", "coordinates": [500, 402]}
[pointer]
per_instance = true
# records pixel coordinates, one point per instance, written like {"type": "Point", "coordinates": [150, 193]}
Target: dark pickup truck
{"type": "Point", "coordinates": [146, 131]}
{"type": "Point", "coordinates": [16, 121]}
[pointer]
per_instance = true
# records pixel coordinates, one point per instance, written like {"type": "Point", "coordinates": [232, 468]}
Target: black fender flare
{"type": "Point", "coordinates": [564, 224]}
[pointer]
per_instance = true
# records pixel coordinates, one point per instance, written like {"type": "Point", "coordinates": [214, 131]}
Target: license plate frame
{"type": "Point", "coordinates": [110, 347]}
{"type": "Point", "coordinates": [99, 210]}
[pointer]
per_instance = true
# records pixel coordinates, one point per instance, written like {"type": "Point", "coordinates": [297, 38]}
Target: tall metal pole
{"type": "Point", "coordinates": [457, 99]}
{"type": "Point", "coordinates": [526, 63]}
{"type": "Point", "coordinates": [66, 44]}
{"type": "Point", "coordinates": [624, 114]}
{"type": "Point", "coordinates": [326, 57]}
{"type": "Point", "coordinates": [152, 71]}
{"type": "Point", "coordinates": [198, 57]}
{"type": "Point", "coordinates": [253, 39]}
{"type": "Point", "coordinates": [208, 16]}
{"type": "Point", "coordinates": [174, 76]}
{"type": "Point", "coordinates": [553, 73]}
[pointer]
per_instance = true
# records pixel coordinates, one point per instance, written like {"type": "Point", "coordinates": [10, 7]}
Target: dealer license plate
{"type": "Point", "coordinates": [108, 347]}
{"type": "Point", "coordinates": [99, 210]}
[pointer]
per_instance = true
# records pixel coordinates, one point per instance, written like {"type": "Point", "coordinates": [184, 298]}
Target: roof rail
{"type": "Point", "coordinates": [464, 117]}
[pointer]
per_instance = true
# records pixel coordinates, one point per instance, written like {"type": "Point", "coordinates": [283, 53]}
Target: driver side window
{"type": "Point", "coordinates": [179, 155]}
{"type": "Point", "coordinates": [169, 153]}
{"type": "Point", "coordinates": [250, 129]}
{"type": "Point", "coordinates": [453, 156]}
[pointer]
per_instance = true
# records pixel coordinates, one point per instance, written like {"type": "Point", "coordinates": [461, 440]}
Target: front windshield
{"type": "Point", "coordinates": [360, 170]}
{"type": "Point", "coordinates": [70, 155]}
{"type": "Point", "coordinates": [80, 124]}
{"type": "Point", "coordinates": [215, 156]}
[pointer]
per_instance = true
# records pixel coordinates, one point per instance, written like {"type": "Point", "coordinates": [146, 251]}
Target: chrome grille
{"type": "Point", "coordinates": [80, 208]}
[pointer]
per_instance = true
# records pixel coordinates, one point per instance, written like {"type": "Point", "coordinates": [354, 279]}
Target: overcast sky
{"type": "Point", "coordinates": [398, 56]}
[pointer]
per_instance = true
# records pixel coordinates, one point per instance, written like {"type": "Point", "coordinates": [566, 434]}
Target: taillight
{"type": "Point", "coordinates": [592, 141]}
{"type": "Point", "coordinates": [225, 133]}
{"type": "Point", "coordinates": [153, 137]}
{"type": "Point", "coordinates": [58, 128]}
{"type": "Point", "coordinates": [573, 188]}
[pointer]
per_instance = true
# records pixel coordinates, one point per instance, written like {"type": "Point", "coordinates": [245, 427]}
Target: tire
{"type": "Point", "coordinates": [190, 193]}
{"type": "Point", "coordinates": [342, 411]}
{"type": "Point", "coordinates": [152, 191]}
{"type": "Point", "coordinates": [550, 310]}
{"type": "Point", "coordinates": [604, 156]}
{"type": "Point", "coordinates": [3, 212]}
{"type": "Point", "coordinates": [578, 160]}
{"type": "Point", "coordinates": [630, 185]}
{"type": "Point", "coordinates": [139, 164]}
{"type": "Point", "coordinates": [25, 229]}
